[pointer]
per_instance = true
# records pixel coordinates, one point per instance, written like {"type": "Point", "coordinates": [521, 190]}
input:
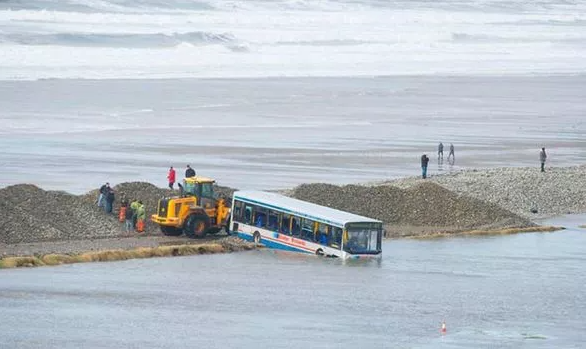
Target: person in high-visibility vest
{"type": "Point", "coordinates": [134, 207]}
{"type": "Point", "coordinates": [140, 217]}
{"type": "Point", "coordinates": [123, 208]}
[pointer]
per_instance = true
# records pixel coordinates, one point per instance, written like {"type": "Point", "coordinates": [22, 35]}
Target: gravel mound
{"type": "Point", "coordinates": [426, 204]}
{"type": "Point", "coordinates": [31, 214]}
{"type": "Point", "coordinates": [524, 191]}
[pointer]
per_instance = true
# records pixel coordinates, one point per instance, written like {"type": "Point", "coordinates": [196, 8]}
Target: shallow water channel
{"type": "Point", "coordinates": [524, 290]}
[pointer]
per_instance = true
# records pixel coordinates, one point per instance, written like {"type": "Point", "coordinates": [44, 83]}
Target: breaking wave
{"type": "Point", "coordinates": [121, 40]}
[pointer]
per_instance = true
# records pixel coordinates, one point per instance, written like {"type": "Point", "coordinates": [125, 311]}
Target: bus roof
{"type": "Point", "coordinates": [301, 208]}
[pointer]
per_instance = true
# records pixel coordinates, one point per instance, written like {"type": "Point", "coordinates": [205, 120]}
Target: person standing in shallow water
{"type": "Point", "coordinates": [424, 162]}
{"type": "Point", "coordinates": [452, 154]}
{"type": "Point", "coordinates": [440, 151]}
{"type": "Point", "coordinates": [542, 158]}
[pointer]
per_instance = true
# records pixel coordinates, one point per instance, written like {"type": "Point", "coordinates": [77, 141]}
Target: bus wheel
{"type": "Point", "coordinates": [256, 237]}
{"type": "Point", "coordinates": [196, 226]}
{"type": "Point", "coordinates": [171, 231]}
{"type": "Point", "coordinates": [319, 252]}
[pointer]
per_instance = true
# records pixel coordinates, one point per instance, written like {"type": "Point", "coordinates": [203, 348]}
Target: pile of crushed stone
{"type": "Point", "coordinates": [423, 205]}
{"type": "Point", "coordinates": [31, 214]}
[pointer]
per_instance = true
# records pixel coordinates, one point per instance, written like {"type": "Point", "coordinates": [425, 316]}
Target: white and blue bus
{"type": "Point", "coordinates": [281, 222]}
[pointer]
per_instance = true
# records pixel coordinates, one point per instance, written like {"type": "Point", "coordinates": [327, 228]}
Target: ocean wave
{"type": "Point", "coordinates": [485, 38]}
{"type": "Point", "coordinates": [107, 6]}
{"type": "Point", "coordinates": [127, 40]}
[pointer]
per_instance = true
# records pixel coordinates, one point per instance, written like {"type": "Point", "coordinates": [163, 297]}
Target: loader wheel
{"type": "Point", "coordinates": [196, 226]}
{"type": "Point", "coordinates": [171, 231]}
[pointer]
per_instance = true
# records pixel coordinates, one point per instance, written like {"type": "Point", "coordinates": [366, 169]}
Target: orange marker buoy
{"type": "Point", "coordinates": [444, 329]}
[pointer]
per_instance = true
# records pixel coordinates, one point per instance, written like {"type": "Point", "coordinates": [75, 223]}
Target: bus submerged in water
{"type": "Point", "coordinates": [281, 222]}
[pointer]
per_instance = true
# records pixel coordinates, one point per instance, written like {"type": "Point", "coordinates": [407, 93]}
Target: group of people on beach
{"type": "Point", "coordinates": [440, 158]}
{"type": "Point", "coordinates": [452, 158]}
{"type": "Point", "coordinates": [133, 214]}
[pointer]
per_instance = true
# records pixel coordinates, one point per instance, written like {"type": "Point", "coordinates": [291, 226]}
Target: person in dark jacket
{"type": "Point", "coordinates": [424, 162]}
{"type": "Point", "coordinates": [102, 197]}
{"type": "Point", "coordinates": [110, 200]}
{"type": "Point", "coordinates": [189, 172]}
{"type": "Point", "coordinates": [542, 158]}
{"type": "Point", "coordinates": [129, 219]}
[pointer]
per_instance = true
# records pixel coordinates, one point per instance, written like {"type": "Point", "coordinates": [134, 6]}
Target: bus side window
{"type": "Point", "coordinates": [322, 234]}
{"type": "Point", "coordinates": [296, 226]}
{"type": "Point", "coordinates": [285, 220]}
{"type": "Point", "coordinates": [336, 239]}
{"type": "Point", "coordinates": [247, 214]}
{"type": "Point", "coordinates": [307, 229]}
{"type": "Point", "coordinates": [260, 217]}
{"type": "Point", "coordinates": [273, 221]}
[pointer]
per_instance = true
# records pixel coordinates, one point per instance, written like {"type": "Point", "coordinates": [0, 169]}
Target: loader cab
{"type": "Point", "coordinates": [200, 187]}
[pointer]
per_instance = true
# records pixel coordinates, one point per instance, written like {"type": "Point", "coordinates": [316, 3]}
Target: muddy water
{"type": "Point", "coordinates": [524, 290]}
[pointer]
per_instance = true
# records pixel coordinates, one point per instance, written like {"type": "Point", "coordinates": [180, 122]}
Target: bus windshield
{"type": "Point", "coordinates": [363, 238]}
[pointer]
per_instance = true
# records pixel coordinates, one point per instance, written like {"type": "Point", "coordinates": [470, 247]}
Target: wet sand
{"type": "Point", "coordinates": [276, 133]}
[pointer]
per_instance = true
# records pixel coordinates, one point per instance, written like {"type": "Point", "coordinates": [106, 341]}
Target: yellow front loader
{"type": "Point", "coordinates": [195, 213]}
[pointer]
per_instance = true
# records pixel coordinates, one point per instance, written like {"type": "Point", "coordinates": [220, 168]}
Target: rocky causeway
{"type": "Point", "coordinates": [38, 221]}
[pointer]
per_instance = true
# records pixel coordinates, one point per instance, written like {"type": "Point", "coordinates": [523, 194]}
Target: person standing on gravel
{"type": "Point", "coordinates": [110, 200]}
{"type": "Point", "coordinates": [440, 151]}
{"type": "Point", "coordinates": [102, 197]}
{"type": "Point", "coordinates": [171, 177]}
{"type": "Point", "coordinates": [134, 208]}
{"type": "Point", "coordinates": [189, 172]}
{"type": "Point", "coordinates": [129, 220]}
{"type": "Point", "coordinates": [424, 162]}
{"type": "Point", "coordinates": [140, 217]}
{"type": "Point", "coordinates": [542, 158]}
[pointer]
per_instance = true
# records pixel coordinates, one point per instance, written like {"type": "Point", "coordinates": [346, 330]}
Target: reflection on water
{"type": "Point", "coordinates": [514, 291]}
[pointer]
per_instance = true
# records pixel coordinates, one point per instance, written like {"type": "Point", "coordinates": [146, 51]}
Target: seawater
{"type": "Point", "coordinates": [514, 291]}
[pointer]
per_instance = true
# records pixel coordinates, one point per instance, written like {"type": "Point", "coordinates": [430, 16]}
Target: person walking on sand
{"type": "Point", "coordinates": [424, 162]}
{"type": "Point", "coordinates": [440, 151]}
{"type": "Point", "coordinates": [542, 158]}
{"type": "Point", "coordinates": [171, 177]}
{"type": "Point", "coordinates": [452, 154]}
{"type": "Point", "coordinates": [189, 172]}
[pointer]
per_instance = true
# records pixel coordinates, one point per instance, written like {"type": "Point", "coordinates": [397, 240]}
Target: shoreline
{"type": "Point", "coordinates": [108, 250]}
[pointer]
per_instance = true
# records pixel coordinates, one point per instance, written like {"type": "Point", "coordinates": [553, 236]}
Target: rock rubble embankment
{"type": "Point", "coordinates": [524, 191]}
{"type": "Point", "coordinates": [467, 200]}
{"type": "Point", "coordinates": [423, 208]}
{"type": "Point", "coordinates": [31, 214]}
